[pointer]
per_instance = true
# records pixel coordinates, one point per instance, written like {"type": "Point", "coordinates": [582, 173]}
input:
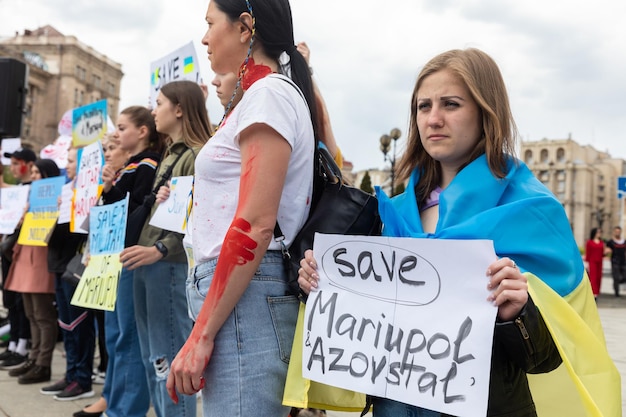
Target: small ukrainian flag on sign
{"type": "Point", "coordinates": [155, 77]}
{"type": "Point", "coordinates": [188, 65]}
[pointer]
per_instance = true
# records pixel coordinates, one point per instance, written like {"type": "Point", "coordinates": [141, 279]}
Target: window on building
{"type": "Point", "coordinates": [528, 157]}
{"type": "Point", "coordinates": [560, 175]}
{"type": "Point", "coordinates": [560, 187]}
{"type": "Point", "coordinates": [81, 98]}
{"type": "Point", "coordinates": [544, 156]}
{"type": "Point", "coordinates": [81, 73]}
{"type": "Point", "coordinates": [76, 97]}
{"type": "Point", "coordinates": [96, 81]}
{"type": "Point", "coordinates": [544, 177]}
{"type": "Point", "coordinates": [560, 155]}
{"type": "Point", "coordinates": [561, 196]}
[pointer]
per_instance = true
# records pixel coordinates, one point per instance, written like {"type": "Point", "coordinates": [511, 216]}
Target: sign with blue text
{"type": "Point", "coordinates": [89, 123]}
{"type": "Point", "coordinates": [43, 211]}
{"type": "Point", "coordinates": [181, 64]}
{"type": "Point", "coordinates": [107, 227]}
{"type": "Point", "coordinates": [173, 213]}
{"type": "Point", "coordinates": [394, 318]}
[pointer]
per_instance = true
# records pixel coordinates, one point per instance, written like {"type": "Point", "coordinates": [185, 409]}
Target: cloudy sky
{"type": "Point", "coordinates": [563, 60]}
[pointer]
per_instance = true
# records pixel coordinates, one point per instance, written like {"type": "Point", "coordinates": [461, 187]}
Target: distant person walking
{"type": "Point", "coordinates": [617, 246]}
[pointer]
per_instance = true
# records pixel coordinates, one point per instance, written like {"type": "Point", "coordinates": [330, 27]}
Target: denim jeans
{"type": "Point", "coordinates": [384, 407]}
{"type": "Point", "coordinates": [163, 325]}
{"type": "Point", "coordinates": [125, 386]}
{"type": "Point", "coordinates": [247, 370]}
{"type": "Point", "coordinates": [79, 335]}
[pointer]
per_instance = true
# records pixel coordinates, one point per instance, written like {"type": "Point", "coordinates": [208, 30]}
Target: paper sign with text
{"type": "Point", "coordinates": [97, 287]}
{"type": "Point", "coordinates": [13, 201]}
{"type": "Point", "coordinates": [181, 64]}
{"type": "Point", "coordinates": [43, 211]}
{"type": "Point", "coordinates": [89, 123]}
{"type": "Point", "coordinates": [173, 213]}
{"type": "Point", "coordinates": [107, 227]}
{"type": "Point", "coordinates": [405, 319]}
{"type": "Point", "coordinates": [65, 209]}
{"type": "Point", "coordinates": [88, 185]}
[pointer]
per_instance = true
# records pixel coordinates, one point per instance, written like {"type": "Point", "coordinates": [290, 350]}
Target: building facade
{"type": "Point", "coordinates": [583, 179]}
{"type": "Point", "coordinates": [63, 73]}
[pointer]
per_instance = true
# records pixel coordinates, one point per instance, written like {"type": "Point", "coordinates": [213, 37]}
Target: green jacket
{"type": "Point", "coordinates": [150, 234]}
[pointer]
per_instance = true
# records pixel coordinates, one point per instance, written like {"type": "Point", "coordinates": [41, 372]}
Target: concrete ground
{"type": "Point", "coordinates": [26, 401]}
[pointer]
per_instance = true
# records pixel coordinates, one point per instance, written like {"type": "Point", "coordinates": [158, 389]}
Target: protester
{"type": "Point", "coordinates": [158, 260]}
{"type": "Point", "coordinates": [115, 157]}
{"type": "Point", "coordinates": [594, 255]}
{"type": "Point", "coordinates": [256, 171]}
{"type": "Point", "coordinates": [16, 354]}
{"type": "Point", "coordinates": [617, 248]}
{"type": "Point", "coordinates": [466, 184]}
{"type": "Point", "coordinates": [125, 391]}
{"type": "Point", "coordinates": [76, 323]}
{"type": "Point", "coordinates": [29, 276]}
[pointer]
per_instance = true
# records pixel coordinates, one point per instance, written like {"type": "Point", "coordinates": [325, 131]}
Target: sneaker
{"type": "Point", "coordinates": [73, 392]}
{"type": "Point", "coordinates": [26, 366]}
{"type": "Point", "coordinates": [14, 361]}
{"type": "Point", "coordinates": [35, 375]}
{"type": "Point", "coordinates": [55, 388]}
{"type": "Point", "coordinates": [98, 377]}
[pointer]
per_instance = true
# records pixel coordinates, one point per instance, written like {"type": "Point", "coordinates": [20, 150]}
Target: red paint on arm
{"type": "Point", "coordinates": [238, 249]}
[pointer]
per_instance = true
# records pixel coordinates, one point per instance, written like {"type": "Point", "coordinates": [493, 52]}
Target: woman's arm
{"type": "Point", "coordinates": [265, 157]}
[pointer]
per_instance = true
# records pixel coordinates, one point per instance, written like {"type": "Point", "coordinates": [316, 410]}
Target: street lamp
{"type": "Point", "coordinates": [385, 144]}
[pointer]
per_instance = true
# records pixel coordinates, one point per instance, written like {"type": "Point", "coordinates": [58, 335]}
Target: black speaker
{"type": "Point", "coordinates": [13, 87]}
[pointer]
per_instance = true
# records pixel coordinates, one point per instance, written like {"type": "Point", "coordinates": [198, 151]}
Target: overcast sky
{"type": "Point", "coordinates": [563, 60]}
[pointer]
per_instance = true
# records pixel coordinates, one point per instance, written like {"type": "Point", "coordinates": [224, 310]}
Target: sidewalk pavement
{"type": "Point", "coordinates": [26, 401]}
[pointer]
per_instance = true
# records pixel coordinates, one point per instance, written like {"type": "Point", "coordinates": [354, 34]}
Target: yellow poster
{"type": "Point", "coordinates": [37, 228]}
{"type": "Point", "coordinates": [97, 288]}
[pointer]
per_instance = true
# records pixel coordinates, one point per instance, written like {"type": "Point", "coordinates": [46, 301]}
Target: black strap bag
{"type": "Point", "coordinates": [74, 269]}
{"type": "Point", "coordinates": [336, 208]}
{"type": "Point", "coordinates": [137, 218]}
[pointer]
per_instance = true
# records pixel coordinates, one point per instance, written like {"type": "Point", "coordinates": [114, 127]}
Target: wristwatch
{"type": "Point", "coordinates": [161, 248]}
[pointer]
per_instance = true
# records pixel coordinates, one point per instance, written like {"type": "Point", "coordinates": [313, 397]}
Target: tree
{"type": "Point", "coordinates": [366, 183]}
{"type": "Point", "coordinates": [399, 189]}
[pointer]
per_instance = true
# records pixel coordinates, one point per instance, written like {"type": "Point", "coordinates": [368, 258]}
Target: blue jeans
{"type": "Point", "coordinates": [125, 386]}
{"type": "Point", "coordinates": [384, 407]}
{"type": "Point", "coordinates": [79, 335]}
{"type": "Point", "coordinates": [247, 370]}
{"type": "Point", "coordinates": [163, 325]}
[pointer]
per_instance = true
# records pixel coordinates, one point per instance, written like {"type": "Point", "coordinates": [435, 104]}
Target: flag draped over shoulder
{"type": "Point", "coordinates": [529, 225]}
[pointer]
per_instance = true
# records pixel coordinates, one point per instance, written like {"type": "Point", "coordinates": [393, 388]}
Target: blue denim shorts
{"type": "Point", "coordinates": [247, 370]}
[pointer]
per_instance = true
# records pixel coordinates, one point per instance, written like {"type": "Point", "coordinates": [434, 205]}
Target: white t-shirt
{"type": "Point", "coordinates": [275, 103]}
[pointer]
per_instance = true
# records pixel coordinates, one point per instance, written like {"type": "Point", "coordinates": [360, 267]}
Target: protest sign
{"type": "Point", "coordinates": [395, 318]}
{"type": "Point", "coordinates": [9, 145]}
{"type": "Point", "coordinates": [181, 64]}
{"type": "Point", "coordinates": [43, 211]}
{"type": "Point", "coordinates": [65, 209]}
{"type": "Point", "coordinates": [173, 213]}
{"type": "Point", "coordinates": [97, 288]}
{"type": "Point", "coordinates": [13, 202]}
{"type": "Point", "coordinates": [107, 228]}
{"type": "Point", "coordinates": [88, 185]}
{"type": "Point", "coordinates": [89, 123]}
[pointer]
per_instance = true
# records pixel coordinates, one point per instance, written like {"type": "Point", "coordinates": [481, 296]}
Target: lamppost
{"type": "Point", "coordinates": [385, 144]}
